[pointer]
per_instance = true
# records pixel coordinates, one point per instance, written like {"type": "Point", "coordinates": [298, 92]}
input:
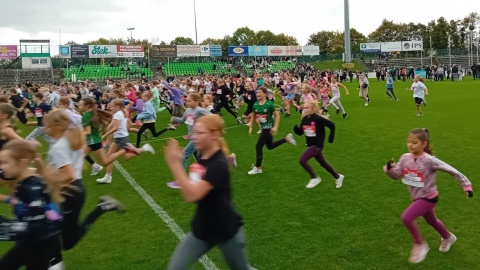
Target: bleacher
{"type": "Point", "coordinates": [275, 66]}
{"type": "Point", "coordinates": [10, 77]}
{"type": "Point", "coordinates": [192, 68]}
{"type": "Point", "coordinates": [103, 72]}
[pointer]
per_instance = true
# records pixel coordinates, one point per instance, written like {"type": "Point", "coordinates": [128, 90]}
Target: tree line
{"type": "Point", "coordinates": [459, 32]}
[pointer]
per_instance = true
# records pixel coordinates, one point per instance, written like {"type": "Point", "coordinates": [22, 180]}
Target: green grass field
{"type": "Point", "coordinates": [290, 227]}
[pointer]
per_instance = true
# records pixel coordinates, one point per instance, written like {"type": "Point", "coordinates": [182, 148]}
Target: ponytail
{"type": "Point", "coordinates": [75, 138]}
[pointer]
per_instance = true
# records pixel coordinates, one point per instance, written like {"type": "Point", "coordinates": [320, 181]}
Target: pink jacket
{"type": "Point", "coordinates": [420, 174]}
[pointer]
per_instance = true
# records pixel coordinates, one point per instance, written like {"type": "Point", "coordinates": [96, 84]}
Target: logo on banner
{"type": "Point", "coordinates": [276, 51]}
{"type": "Point", "coordinates": [99, 50]}
{"type": "Point", "coordinates": [408, 46]}
{"type": "Point", "coordinates": [238, 50]}
{"type": "Point", "coordinates": [363, 46]}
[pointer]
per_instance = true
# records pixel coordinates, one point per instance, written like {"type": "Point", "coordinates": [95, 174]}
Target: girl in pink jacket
{"type": "Point", "coordinates": [417, 170]}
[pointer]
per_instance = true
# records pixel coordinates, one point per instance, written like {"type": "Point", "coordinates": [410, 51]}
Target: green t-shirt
{"type": "Point", "coordinates": [94, 136]}
{"type": "Point", "coordinates": [264, 114]}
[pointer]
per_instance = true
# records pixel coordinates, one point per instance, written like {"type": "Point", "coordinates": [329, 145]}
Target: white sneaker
{"type": "Point", "coordinates": [313, 182]}
{"type": "Point", "coordinates": [107, 179]}
{"type": "Point", "coordinates": [291, 139]}
{"type": "Point", "coordinates": [148, 148]}
{"type": "Point", "coordinates": [233, 160]}
{"type": "Point", "coordinates": [96, 169]}
{"type": "Point", "coordinates": [447, 243]}
{"type": "Point", "coordinates": [339, 181]}
{"type": "Point", "coordinates": [419, 252]}
{"type": "Point", "coordinates": [259, 131]}
{"type": "Point", "coordinates": [255, 170]}
{"type": "Point", "coordinates": [366, 104]}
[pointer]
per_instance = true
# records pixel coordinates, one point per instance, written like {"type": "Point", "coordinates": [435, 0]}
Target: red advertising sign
{"type": "Point", "coordinates": [130, 51]}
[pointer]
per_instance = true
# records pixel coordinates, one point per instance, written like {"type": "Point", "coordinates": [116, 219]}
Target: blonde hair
{"type": "Point", "coordinates": [74, 136]}
{"type": "Point", "coordinates": [315, 108]}
{"type": "Point", "coordinates": [21, 149]}
{"type": "Point", "coordinates": [215, 124]}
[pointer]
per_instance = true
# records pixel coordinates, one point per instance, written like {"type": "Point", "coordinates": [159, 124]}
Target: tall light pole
{"type": "Point", "coordinates": [195, 17]}
{"type": "Point", "coordinates": [348, 52]}
{"type": "Point", "coordinates": [131, 32]}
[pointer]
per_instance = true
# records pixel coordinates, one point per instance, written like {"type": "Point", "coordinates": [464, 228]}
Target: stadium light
{"type": "Point", "coordinates": [131, 32]}
{"type": "Point", "coordinates": [348, 51]}
{"type": "Point", "coordinates": [195, 17]}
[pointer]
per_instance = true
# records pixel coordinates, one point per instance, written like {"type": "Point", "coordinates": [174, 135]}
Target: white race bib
{"type": "Point", "coordinates": [262, 118]}
{"type": "Point", "coordinates": [38, 113]}
{"type": "Point", "coordinates": [310, 131]}
{"type": "Point", "coordinates": [190, 119]}
{"type": "Point", "coordinates": [413, 178]}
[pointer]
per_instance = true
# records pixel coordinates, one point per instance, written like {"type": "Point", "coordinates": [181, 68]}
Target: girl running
{"type": "Point", "coordinates": [66, 155]}
{"type": "Point", "coordinates": [335, 101]}
{"type": "Point", "coordinates": [390, 92]}
{"type": "Point", "coordinates": [148, 116]}
{"type": "Point", "coordinates": [35, 230]}
{"type": "Point", "coordinates": [419, 91]}
{"type": "Point", "coordinates": [313, 126]}
{"type": "Point", "coordinates": [118, 127]}
{"type": "Point", "coordinates": [363, 87]}
{"type": "Point", "coordinates": [216, 221]}
{"type": "Point", "coordinates": [417, 170]}
{"type": "Point", "coordinates": [269, 119]}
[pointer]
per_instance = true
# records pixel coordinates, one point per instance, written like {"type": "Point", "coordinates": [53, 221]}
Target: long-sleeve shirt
{"type": "Point", "coordinates": [189, 117]}
{"type": "Point", "coordinates": [313, 127]}
{"type": "Point", "coordinates": [420, 174]}
{"type": "Point", "coordinates": [138, 107]}
{"type": "Point", "coordinates": [148, 114]}
{"type": "Point", "coordinates": [175, 94]}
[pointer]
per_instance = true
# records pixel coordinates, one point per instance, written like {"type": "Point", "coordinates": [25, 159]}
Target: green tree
{"type": "Point", "coordinates": [388, 31]}
{"type": "Point", "coordinates": [182, 41]}
{"type": "Point", "coordinates": [323, 39]}
{"type": "Point", "coordinates": [440, 32]}
{"type": "Point", "coordinates": [282, 39]}
{"type": "Point", "coordinates": [243, 36]}
{"type": "Point", "coordinates": [265, 37]}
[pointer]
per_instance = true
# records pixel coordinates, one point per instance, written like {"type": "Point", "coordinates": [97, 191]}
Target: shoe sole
{"type": "Point", "coordinates": [120, 208]}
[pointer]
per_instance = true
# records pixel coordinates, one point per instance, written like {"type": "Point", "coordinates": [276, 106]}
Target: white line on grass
{"type": "Point", "coordinates": [172, 225]}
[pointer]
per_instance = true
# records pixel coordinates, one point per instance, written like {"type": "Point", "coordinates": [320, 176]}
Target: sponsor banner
{"type": "Point", "coordinates": [257, 50]}
{"type": "Point", "coordinates": [370, 47]}
{"type": "Point", "coordinates": [311, 50]}
{"type": "Point", "coordinates": [237, 50]}
{"type": "Point", "coordinates": [391, 46]}
{"type": "Point", "coordinates": [164, 51]}
{"type": "Point", "coordinates": [414, 45]}
{"type": "Point", "coordinates": [188, 50]}
{"type": "Point", "coordinates": [79, 51]}
{"type": "Point", "coordinates": [215, 50]}
{"type": "Point", "coordinates": [277, 50]}
{"type": "Point", "coordinates": [294, 50]}
{"type": "Point", "coordinates": [102, 51]}
{"type": "Point", "coordinates": [130, 51]}
{"type": "Point", "coordinates": [204, 50]}
{"type": "Point", "coordinates": [8, 51]}
{"type": "Point", "coordinates": [64, 51]}
{"type": "Point", "coordinates": [421, 73]}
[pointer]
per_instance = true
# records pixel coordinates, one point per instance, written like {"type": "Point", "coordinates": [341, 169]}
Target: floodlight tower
{"type": "Point", "coordinates": [348, 52]}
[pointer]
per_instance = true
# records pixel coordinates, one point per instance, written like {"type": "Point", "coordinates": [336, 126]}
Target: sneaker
{"type": "Point", "coordinates": [338, 111]}
{"type": "Point", "coordinates": [107, 179]}
{"type": "Point", "coordinates": [132, 149]}
{"type": "Point", "coordinates": [109, 204]}
{"type": "Point", "coordinates": [171, 127]}
{"type": "Point", "coordinates": [313, 182]}
{"type": "Point", "coordinates": [173, 184]}
{"type": "Point", "coordinates": [148, 148]}
{"type": "Point", "coordinates": [96, 169]}
{"type": "Point", "coordinates": [420, 114]}
{"type": "Point", "coordinates": [255, 170]}
{"type": "Point", "coordinates": [419, 252]}
{"type": "Point", "coordinates": [291, 139]}
{"type": "Point", "coordinates": [259, 131]}
{"type": "Point", "coordinates": [233, 160]}
{"type": "Point", "coordinates": [447, 243]}
{"type": "Point", "coordinates": [339, 181]}
{"type": "Point", "coordinates": [344, 115]}
{"type": "Point", "coordinates": [366, 104]}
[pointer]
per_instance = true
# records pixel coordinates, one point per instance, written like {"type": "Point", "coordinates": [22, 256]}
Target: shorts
{"type": "Point", "coordinates": [95, 147]}
{"type": "Point", "coordinates": [418, 100]}
{"type": "Point", "coordinates": [363, 93]}
{"type": "Point", "coordinates": [122, 142]}
{"type": "Point", "coordinates": [290, 97]}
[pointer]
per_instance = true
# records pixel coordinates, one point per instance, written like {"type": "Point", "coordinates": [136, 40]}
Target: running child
{"type": "Point", "coordinates": [390, 92]}
{"type": "Point", "coordinates": [335, 101]}
{"type": "Point", "coordinates": [419, 91]}
{"type": "Point", "coordinates": [417, 170]}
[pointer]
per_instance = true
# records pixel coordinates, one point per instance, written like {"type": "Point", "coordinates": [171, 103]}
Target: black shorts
{"type": "Point", "coordinates": [248, 111]}
{"type": "Point", "coordinates": [95, 147]}
{"type": "Point", "coordinates": [22, 117]}
{"type": "Point", "coordinates": [418, 100]}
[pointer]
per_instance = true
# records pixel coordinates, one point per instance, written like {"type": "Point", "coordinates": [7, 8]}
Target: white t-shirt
{"type": "Point", "coordinates": [418, 90]}
{"type": "Point", "coordinates": [335, 90]}
{"type": "Point", "coordinates": [61, 154]}
{"type": "Point", "coordinates": [122, 128]}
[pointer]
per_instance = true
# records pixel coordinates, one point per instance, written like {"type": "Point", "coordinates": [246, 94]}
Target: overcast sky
{"type": "Point", "coordinates": [86, 20]}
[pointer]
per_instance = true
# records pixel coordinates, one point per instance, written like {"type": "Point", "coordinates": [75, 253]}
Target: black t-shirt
{"type": "Point", "coordinates": [250, 97]}
{"type": "Point", "coordinates": [313, 127]}
{"type": "Point", "coordinates": [17, 101]}
{"type": "Point", "coordinates": [216, 219]}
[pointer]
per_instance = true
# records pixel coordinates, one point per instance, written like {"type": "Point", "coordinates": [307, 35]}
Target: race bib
{"type": "Point", "coordinates": [262, 118]}
{"type": "Point", "coordinates": [38, 113]}
{"type": "Point", "coordinates": [249, 97]}
{"type": "Point", "coordinates": [219, 91]}
{"type": "Point", "coordinates": [103, 106]}
{"type": "Point", "coordinates": [91, 94]}
{"type": "Point", "coordinates": [196, 172]}
{"type": "Point", "coordinates": [413, 178]}
{"type": "Point", "coordinates": [190, 119]}
{"type": "Point", "coordinates": [310, 131]}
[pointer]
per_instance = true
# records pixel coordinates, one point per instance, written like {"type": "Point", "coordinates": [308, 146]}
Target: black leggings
{"type": "Point", "coordinates": [39, 256]}
{"type": "Point", "coordinates": [22, 117]}
{"type": "Point", "coordinates": [72, 232]}
{"type": "Point", "coordinates": [266, 138]}
{"type": "Point", "coordinates": [224, 104]}
{"type": "Point", "coordinates": [151, 127]}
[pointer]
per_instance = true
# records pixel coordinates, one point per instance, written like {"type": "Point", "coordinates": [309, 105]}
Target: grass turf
{"type": "Point", "coordinates": [290, 227]}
